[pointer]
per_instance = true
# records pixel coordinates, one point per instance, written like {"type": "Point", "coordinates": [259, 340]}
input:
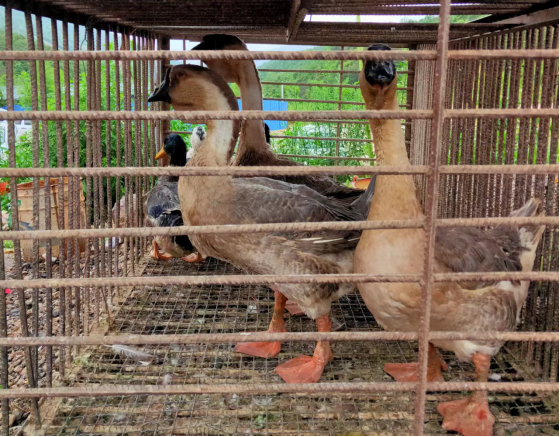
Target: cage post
{"type": "Point", "coordinates": [431, 213]}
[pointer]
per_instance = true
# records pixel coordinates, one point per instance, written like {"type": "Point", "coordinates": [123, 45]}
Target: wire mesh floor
{"type": "Point", "coordinates": [224, 309]}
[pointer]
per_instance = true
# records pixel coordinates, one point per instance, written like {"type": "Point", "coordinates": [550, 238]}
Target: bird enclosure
{"type": "Point", "coordinates": [102, 339]}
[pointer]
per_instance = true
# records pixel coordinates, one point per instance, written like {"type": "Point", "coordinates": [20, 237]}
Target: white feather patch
{"type": "Point", "coordinates": [142, 357]}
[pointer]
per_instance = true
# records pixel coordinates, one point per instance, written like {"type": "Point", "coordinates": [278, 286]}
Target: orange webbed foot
{"type": "Point", "coordinates": [409, 372]}
{"type": "Point", "coordinates": [194, 257]}
{"type": "Point", "coordinates": [261, 349]}
{"type": "Point", "coordinates": [469, 416]}
{"type": "Point", "coordinates": [303, 369]}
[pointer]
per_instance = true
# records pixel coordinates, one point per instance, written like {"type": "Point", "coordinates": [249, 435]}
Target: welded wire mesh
{"type": "Point", "coordinates": [498, 107]}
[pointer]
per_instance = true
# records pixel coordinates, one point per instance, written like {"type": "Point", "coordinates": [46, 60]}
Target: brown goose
{"type": "Point", "coordinates": [252, 149]}
{"type": "Point", "coordinates": [224, 200]}
{"type": "Point", "coordinates": [454, 307]}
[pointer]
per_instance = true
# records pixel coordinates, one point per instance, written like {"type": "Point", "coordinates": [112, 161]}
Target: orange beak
{"type": "Point", "coordinates": [161, 154]}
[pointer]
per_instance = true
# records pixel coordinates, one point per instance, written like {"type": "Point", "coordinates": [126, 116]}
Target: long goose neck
{"type": "Point", "coordinates": [252, 131]}
{"type": "Point", "coordinates": [216, 150]}
{"type": "Point", "coordinates": [395, 196]}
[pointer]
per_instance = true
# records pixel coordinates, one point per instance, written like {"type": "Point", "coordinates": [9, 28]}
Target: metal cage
{"type": "Point", "coordinates": [480, 117]}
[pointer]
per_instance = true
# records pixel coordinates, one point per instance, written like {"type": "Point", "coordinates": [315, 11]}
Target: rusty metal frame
{"type": "Point", "coordinates": [139, 61]}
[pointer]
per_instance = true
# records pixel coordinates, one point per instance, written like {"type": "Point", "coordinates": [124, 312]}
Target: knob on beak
{"type": "Point", "coordinates": [161, 93]}
{"type": "Point", "coordinates": [380, 72]}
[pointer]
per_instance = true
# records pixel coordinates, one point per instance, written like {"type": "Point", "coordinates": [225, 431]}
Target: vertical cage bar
{"type": "Point", "coordinates": [4, 363]}
{"type": "Point", "coordinates": [29, 364]}
{"type": "Point", "coordinates": [59, 199]}
{"type": "Point", "coordinates": [75, 211]}
{"type": "Point", "coordinates": [129, 257]}
{"type": "Point", "coordinates": [431, 213]}
{"type": "Point", "coordinates": [118, 133]}
{"type": "Point", "coordinates": [410, 78]}
{"type": "Point", "coordinates": [338, 130]}
{"type": "Point", "coordinates": [164, 126]}
{"type": "Point", "coordinates": [4, 378]}
{"type": "Point", "coordinates": [36, 164]}
{"type": "Point", "coordinates": [108, 157]}
{"type": "Point", "coordinates": [47, 200]}
{"type": "Point", "coordinates": [137, 192]}
{"type": "Point", "coordinates": [100, 257]}
{"type": "Point", "coordinates": [89, 181]}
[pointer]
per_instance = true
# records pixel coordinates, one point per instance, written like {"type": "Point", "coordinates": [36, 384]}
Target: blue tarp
{"type": "Point", "coordinates": [273, 105]}
{"type": "Point", "coordinates": [18, 108]}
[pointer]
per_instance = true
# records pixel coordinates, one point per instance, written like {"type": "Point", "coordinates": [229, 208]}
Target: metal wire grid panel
{"type": "Point", "coordinates": [228, 309]}
{"type": "Point", "coordinates": [139, 76]}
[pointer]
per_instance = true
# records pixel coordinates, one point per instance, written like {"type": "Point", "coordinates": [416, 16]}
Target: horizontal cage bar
{"type": "Point", "coordinates": [536, 169]}
{"type": "Point", "coordinates": [203, 55]}
{"type": "Point", "coordinates": [199, 116]}
{"type": "Point", "coordinates": [130, 281]}
{"type": "Point", "coordinates": [271, 227]}
{"type": "Point", "coordinates": [335, 387]}
{"type": "Point", "coordinates": [131, 339]}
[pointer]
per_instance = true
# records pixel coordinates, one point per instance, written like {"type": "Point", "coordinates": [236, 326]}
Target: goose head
{"type": "Point", "coordinates": [191, 87]}
{"type": "Point", "coordinates": [194, 88]}
{"type": "Point", "coordinates": [230, 70]}
{"type": "Point", "coordinates": [378, 80]}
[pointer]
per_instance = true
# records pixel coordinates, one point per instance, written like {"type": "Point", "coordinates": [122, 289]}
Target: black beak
{"type": "Point", "coordinates": [380, 72]}
{"type": "Point", "coordinates": [202, 46]}
{"type": "Point", "coordinates": [161, 93]}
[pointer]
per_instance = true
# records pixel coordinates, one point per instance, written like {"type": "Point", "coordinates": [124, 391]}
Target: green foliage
{"type": "Point", "coordinates": [321, 130]}
{"type": "Point", "coordinates": [452, 19]}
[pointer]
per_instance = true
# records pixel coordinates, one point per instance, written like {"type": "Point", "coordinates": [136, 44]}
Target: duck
{"type": "Point", "coordinates": [226, 200]}
{"type": "Point", "coordinates": [197, 137]}
{"type": "Point", "coordinates": [252, 150]}
{"type": "Point", "coordinates": [473, 307]}
{"type": "Point", "coordinates": [163, 209]}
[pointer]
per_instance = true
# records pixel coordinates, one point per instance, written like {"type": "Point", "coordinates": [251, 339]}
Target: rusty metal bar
{"type": "Point", "coordinates": [4, 357]}
{"type": "Point", "coordinates": [32, 359]}
{"type": "Point", "coordinates": [276, 227]}
{"type": "Point", "coordinates": [278, 171]}
{"type": "Point", "coordinates": [59, 200]}
{"type": "Point", "coordinates": [133, 281]}
{"type": "Point", "coordinates": [272, 70]}
{"type": "Point", "coordinates": [431, 209]}
{"type": "Point", "coordinates": [191, 116]}
{"type": "Point", "coordinates": [204, 55]}
{"type": "Point", "coordinates": [47, 199]}
{"type": "Point", "coordinates": [335, 387]}
{"type": "Point", "coordinates": [165, 339]}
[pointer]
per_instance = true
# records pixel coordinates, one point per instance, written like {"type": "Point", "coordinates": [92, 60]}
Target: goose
{"type": "Point", "coordinates": [252, 150]}
{"type": "Point", "coordinates": [472, 307]}
{"type": "Point", "coordinates": [225, 200]}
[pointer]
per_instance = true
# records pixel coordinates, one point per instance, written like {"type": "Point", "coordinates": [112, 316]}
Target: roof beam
{"type": "Point", "coordinates": [297, 15]}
